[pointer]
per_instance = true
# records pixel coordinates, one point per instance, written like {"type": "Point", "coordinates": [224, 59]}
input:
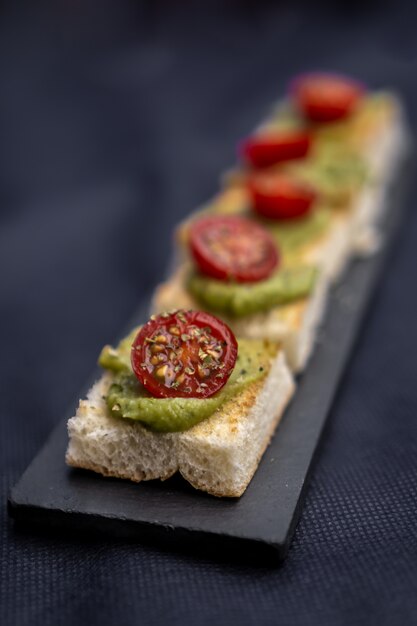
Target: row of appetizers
{"type": "Point", "coordinates": [181, 393]}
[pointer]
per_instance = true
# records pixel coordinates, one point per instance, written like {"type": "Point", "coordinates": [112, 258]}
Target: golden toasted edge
{"type": "Point", "coordinates": [228, 493]}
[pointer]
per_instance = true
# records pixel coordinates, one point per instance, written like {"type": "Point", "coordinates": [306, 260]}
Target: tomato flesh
{"type": "Point", "coordinates": [184, 354]}
{"type": "Point", "coordinates": [267, 150]}
{"type": "Point", "coordinates": [326, 97]}
{"type": "Point", "coordinates": [233, 248]}
{"type": "Point", "coordinates": [280, 196]}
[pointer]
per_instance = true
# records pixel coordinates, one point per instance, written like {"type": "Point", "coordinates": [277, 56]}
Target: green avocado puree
{"type": "Point", "coordinates": [127, 398]}
{"type": "Point", "coordinates": [241, 299]}
{"type": "Point", "coordinates": [292, 235]}
{"type": "Point", "coordinates": [334, 171]}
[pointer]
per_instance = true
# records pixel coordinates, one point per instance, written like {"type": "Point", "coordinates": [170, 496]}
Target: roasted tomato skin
{"type": "Point", "coordinates": [267, 150]}
{"type": "Point", "coordinates": [233, 248]}
{"type": "Point", "coordinates": [280, 196]}
{"type": "Point", "coordinates": [184, 354]}
{"type": "Point", "coordinates": [323, 97]}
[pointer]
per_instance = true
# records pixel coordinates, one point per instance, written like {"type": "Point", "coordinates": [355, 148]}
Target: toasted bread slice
{"type": "Point", "coordinates": [219, 455]}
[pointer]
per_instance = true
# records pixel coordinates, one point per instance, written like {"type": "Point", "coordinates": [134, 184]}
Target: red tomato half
{"type": "Point", "coordinates": [326, 97]}
{"type": "Point", "coordinates": [233, 248]}
{"type": "Point", "coordinates": [267, 150]}
{"type": "Point", "coordinates": [280, 196]}
{"type": "Point", "coordinates": [185, 354]}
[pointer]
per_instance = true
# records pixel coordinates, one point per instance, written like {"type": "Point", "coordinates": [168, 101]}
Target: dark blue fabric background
{"type": "Point", "coordinates": [116, 120]}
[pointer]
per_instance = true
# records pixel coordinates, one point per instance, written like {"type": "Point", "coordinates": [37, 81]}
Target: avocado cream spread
{"type": "Point", "coordinates": [336, 172]}
{"type": "Point", "coordinates": [241, 299]}
{"type": "Point", "coordinates": [292, 235]}
{"type": "Point", "coordinates": [127, 398]}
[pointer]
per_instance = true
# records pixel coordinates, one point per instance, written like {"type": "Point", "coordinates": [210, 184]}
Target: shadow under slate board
{"type": "Point", "coordinates": [259, 525]}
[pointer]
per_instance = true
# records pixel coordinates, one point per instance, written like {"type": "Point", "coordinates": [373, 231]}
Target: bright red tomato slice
{"type": "Point", "coordinates": [267, 150]}
{"type": "Point", "coordinates": [233, 248]}
{"type": "Point", "coordinates": [185, 354]}
{"type": "Point", "coordinates": [280, 196]}
{"type": "Point", "coordinates": [326, 97]}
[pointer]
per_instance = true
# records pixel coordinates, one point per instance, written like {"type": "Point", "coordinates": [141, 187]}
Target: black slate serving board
{"type": "Point", "coordinates": [261, 523]}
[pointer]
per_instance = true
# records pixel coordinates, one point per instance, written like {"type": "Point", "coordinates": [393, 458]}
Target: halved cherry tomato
{"type": "Point", "coordinates": [185, 354]}
{"type": "Point", "coordinates": [326, 97]}
{"type": "Point", "coordinates": [280, 196]}
{"type": "Point", "coordinates": [233, 248]}
{"type": "Point", "coordinates": [264, 151]}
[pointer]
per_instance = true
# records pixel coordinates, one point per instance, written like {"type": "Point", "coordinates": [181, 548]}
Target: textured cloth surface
{"type": "Point", "coordinates": [116, 120]}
